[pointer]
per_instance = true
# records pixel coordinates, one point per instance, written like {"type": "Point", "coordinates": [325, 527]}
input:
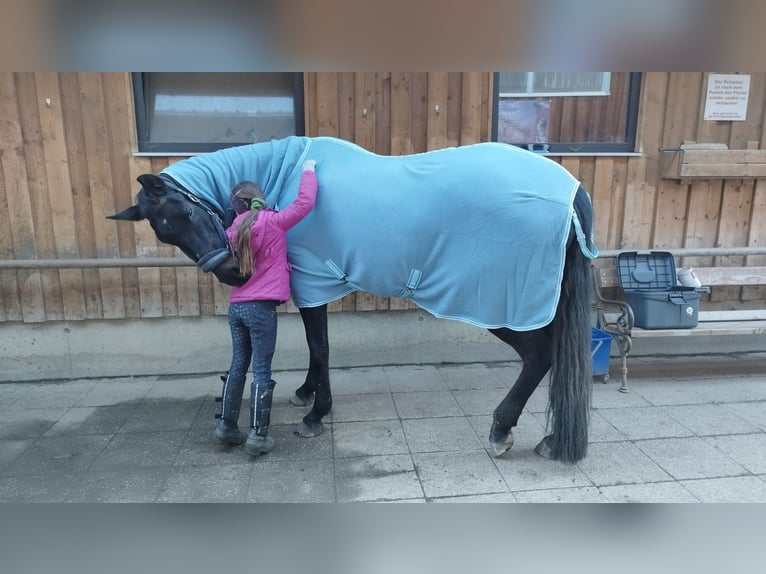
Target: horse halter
{"type": "Point", "coordinates": [214, 258]}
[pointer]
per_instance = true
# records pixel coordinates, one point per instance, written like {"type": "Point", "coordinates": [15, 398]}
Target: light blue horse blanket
{"type": "Point", "coordinates": [475, 233]}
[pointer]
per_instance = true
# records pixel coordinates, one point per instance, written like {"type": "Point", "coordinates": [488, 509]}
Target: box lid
{"type": "Point", "coordinates": [646, 271]}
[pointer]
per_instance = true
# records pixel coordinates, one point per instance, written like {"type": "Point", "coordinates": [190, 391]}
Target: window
{"type": "Point", "coordinates": [179, 112]}
{"type": "Point", "coordinates": [567, 112]}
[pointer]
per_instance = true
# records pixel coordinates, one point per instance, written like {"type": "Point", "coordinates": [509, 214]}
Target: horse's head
{"type": "Point", "coordinates": [186, 222]}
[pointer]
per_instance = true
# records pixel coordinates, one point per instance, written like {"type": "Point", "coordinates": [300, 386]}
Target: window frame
{"type": "Point", "coordinates": [580, 148]}
{"type": "Point", "coordinates": [144, 145]}
{"type": "Point", "coordinates": [531, 93]}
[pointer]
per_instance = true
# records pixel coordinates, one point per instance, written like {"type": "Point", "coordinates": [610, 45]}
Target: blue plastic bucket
{"type": "Point", "coordinates": [600, 349]}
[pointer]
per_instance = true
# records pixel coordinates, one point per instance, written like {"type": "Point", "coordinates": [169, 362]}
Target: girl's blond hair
{"type": "Point", "coordinates": [251, 194]}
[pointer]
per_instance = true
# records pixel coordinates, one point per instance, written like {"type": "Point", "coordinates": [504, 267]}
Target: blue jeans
{"type": "Point", "coordinates": [253, 327]}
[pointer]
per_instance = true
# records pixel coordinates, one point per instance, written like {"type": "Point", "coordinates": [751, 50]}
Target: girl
{"type": "Point", "coordinates": [258, 236]}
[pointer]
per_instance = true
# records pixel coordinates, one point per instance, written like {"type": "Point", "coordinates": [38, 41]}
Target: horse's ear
{"type": "Point", "coordinates": [133, 213]}
{"type": "Point", "coordinates": [151, 183]}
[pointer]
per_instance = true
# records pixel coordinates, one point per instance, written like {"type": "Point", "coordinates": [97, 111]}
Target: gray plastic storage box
{"type": "Point", "coordinates": [649, 282]}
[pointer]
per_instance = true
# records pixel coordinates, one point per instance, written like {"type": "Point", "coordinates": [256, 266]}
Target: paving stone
{"type": "Point", "coordinates": [29, 423]}
{"type": "Point", "coordinates": [427, 404]}
{"type": "Point", "coordinates": [692, 457]}
{"type": "Point", "coordinates": [525, 470]}
{"type": "Point", "coordinates": [91, 420]}
{"type": "Point", "coordinates": [127, 485]}
{"type": "Point", "coordinates": [58, 455]}
{"type": "Point", "coordinates": [729, 489]}
{"type": "Point", "coordinates": [362, 381]}
{"type": "Point", "coordinates": [110, 392]}
{"type": "Point", "coordinates": [584, 494]}
{"type": "Point", "coordinates": [130, 450]}
{"type": "Point", "coordinates": [413, 378]}
{"type": "Point", "coordinates": [481, 402]}
{"type": "Point", "coordinates": [610, 463]}
{"type": "Point", "coordinates": [656, 492]}
{"type": "Point", "coordinates": [440, 435]}
{"type": "Point", "coordinates": [369, 407]}
{"type": "Point", "coordinates": [709, 420]}
{"type": "Point", "coordinates": [476, 377]}
{"type": "Point", "coordinates": [376, 478]}
{"type": "Point", "coordinates": [154, 416]}
{"type": "Point", "coordinates": [219, 483]}
{"type": "Point", "coordinates": [451, 474]}
{"type": "Point", "coordinates": [749, 450]}
{"type": "Point", "coordinates": [41, 488]}
{"type": "Point", "coordinates": [307, 481]}
{"type": "Point", "coordinates": [645, 422]}
{"type": "Point", "coordinates": [369, 438]}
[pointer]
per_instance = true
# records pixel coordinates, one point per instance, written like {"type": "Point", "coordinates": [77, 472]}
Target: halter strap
{"type": "Point", "coordinates": [211, 260]}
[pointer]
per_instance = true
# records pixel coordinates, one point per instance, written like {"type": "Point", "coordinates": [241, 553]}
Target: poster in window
{"type": "Point", "coordinates": [523, 121]}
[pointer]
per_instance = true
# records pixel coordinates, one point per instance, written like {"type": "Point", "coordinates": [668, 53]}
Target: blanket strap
{"type": "Point", "coordinates": [340, 275]}
{"type": "Point", "coordinates": [590, 254]}
{"type": "Point", "coordinates": [412, 284]}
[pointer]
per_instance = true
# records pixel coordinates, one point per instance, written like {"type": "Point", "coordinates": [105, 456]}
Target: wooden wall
{"type": "Point", "coordinates": [66, 161]}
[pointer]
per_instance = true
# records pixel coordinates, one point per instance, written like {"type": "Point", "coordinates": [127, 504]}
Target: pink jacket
{"type": "Point", "coordinates": [271, 278]}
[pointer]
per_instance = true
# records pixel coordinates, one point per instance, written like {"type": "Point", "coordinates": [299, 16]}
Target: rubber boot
{"type": "Point", "coordinates": [258, 440]}
{"type": "Point", "coordinates": [227, 429]}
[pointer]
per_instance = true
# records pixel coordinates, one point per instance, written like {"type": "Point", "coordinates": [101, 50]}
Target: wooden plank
{"type": "Point", "coordinates": [327, 104]}
{"type": "Point", "coordinates": [735, 217]}
{"type": "Point", "coordinates": [80, 189]}
{"type": "Point", "coordinates": [419, 118]}
{"type": "Point", "coordinates": [711, 276]}
{"type": "Point", "coordinates": [638, 206]}
{"type": "Point", "coordinates": [471, 120]}
{"type": "Point", "coordinates": [733, 315]}
{"type": "Point", "coordinates": [672, 199]}
{"type": "Point", "coordinates": [602, 199]}
{"type": "Point", "coordinates": [118, 103]}
{"type": "Point", "coordinates": [618, 182]}
{"type": "Point", "coordinates": [16, 183]}
{"type": "Point", "coordinates": [722, 170]}
{"type": "Point", "coordinates": [60, 202]}
{"type": "Point", "coordinates": [706, 329]}
{"type": "Point", "coordinates": [383, 113]}
{"type": "Point", "coordinates": [95, 126]}
{"type": "Point", "coordinates": [453, 108]}
{"type": "Point", "coordinates": [401, 114]}
{"type": "Point", "coordinates": [438, 89]}
{"type": "Point", "coordinates": [45, 243]}
{"type": "Point", "coordinates": [146, 245]}
{"type": "Point", "coordinates": [10, 304]}
{"type": "Point", "coordinates": [728, 156]}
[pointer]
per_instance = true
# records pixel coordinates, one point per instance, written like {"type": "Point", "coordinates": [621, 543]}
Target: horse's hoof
{"type": "Point", "coordinates": [543, 448]}
{"type": "Point", "coordinates": [498, 449]}
{"type": "Point", "coordinates": [301, 401]}
{"type": "Point", "coordinates": [308, 430]}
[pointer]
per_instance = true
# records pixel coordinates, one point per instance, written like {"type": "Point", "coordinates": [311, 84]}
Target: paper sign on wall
{"type": "Point", "coordinates": [727, 97]}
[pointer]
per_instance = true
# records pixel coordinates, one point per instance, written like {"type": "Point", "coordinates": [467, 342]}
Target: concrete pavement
{"type": "Point", "coordinates": [692, 429]}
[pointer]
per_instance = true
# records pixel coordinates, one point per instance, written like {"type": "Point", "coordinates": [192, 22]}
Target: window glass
{"type": "Point", "coordinates": [197, 112]}
{"type": "Point", "coordinates": [567, 112]}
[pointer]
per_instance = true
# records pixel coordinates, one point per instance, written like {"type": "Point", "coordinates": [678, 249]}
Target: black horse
{"type": "Point", "coordinates": [188, 209]}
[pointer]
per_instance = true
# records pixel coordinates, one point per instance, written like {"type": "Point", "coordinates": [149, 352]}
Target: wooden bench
{"type": "Point", "coordinates": [616, 317]}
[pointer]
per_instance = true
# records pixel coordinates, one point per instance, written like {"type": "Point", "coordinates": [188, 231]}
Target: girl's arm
{"type": "Point", "coordinates": [304, 202]}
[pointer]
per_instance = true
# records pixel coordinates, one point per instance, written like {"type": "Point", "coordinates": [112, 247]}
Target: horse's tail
{"type": "Point", "coordinates": [571, 371]}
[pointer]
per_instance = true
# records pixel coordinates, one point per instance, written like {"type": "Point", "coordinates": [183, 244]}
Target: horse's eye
{"type": "Point", "coordinates": [189, 212]}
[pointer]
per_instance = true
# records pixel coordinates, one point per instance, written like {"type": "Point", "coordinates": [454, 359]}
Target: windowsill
{"type": "Point", "coordinates": [594, 154]}
{"type": "Point", "coordinates": [168, 153]}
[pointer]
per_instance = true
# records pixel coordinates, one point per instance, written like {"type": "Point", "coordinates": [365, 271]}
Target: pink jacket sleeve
{"type": "Point", "coordinates": [303, 203]}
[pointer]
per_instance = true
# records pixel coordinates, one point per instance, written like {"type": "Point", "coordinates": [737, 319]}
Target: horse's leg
{"type": "Point", "coordinates": [305, 393]}
{"type": "Point", "coordinates": [534, 348]}
{"type": "Point", "coordinates": [318, 377]}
